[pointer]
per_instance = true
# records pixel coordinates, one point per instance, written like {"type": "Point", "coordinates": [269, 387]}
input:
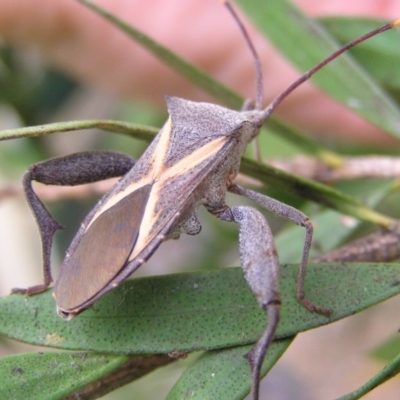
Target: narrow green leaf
{"type": "Point", "coordinates": [387, 350]}
{"type": "Point", "coordinates": [305, 188]}
{"type": "Point", "coordinates": [384, 375]}
{"type": "Point", "coordinates": [209, 84]}
{"type": "Point", "coordinates": [45, 376]}
{"type": "Point", "coordinates": [290, 242]}
{"type": "Point", "coordinates": [178, 64]}
{"type": "Point", "coordinates": [380, 57]}
{"type": "Point", "coordinates": [314, 191]}
{"type": "Point", "coordinates": [223, 374]}
{"type": "Point", "coordinates": [308, 189]}
{"type": "Point", "coordinates": [303, 142]}
{"type": "Point", "coordinates": [139, 131]}
{"type": "Point", "coordinates": [148, 133]}
{"type": "Point", "coordinates": [305, 42]}
{"type": "Point", "coordinates": [217, 309]}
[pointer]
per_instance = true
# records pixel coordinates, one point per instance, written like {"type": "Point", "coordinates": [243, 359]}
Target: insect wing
{"type": "Point", "coordinates": [105, 246]}
{"type": "Point", "coordinates": [133, 227]}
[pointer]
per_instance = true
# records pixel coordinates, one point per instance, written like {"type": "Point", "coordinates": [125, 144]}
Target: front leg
{"type": "Point", "coordinates": [71, 170]}
{"type": "Point", "coordinates": [298, 218]}
{"type": "Point", "coordinates": [260, 265]}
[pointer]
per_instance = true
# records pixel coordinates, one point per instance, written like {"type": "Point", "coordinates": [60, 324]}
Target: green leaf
{"type": "Point", "coordinates": [43, 376]}
{"type": "Point", "coordinates": [216, 308]}
{"type": "Point", "coordinates": [271, 176]}
{"type": "Point", "coordinates": [305, 42]}
{"type": "Point", "coordinates": [290, 242]}
{"type": "Point", "coordinates": [211, 85]}
{"type": "Point", "coordinates": [135, 130]}
{"type": "Point", "coordinates": [380, 57]}
{"type": "Point", "coordinates": [178, 64]}
{"type": "Point", "coordinates": [384, 375]}
{"type": "Point", "coordinates": [223, 374]}
{"type": "Point", "coordinates": [313, 190]}
{"type": "Point", "coordinates": [387, 350]}
{"type": "Point", "coordinates": [303, 142]}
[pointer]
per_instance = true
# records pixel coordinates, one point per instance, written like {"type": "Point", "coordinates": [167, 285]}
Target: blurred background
{"type": "Point", "coordinates": [41, 84]}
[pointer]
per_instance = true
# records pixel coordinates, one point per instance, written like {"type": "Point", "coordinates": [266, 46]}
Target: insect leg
{"type": "Point", "coordinates": [298, 218]}
{"type": "Point", "coordinates": [260, 264]}
{"type": "Point", "coordinates": [71, 170]}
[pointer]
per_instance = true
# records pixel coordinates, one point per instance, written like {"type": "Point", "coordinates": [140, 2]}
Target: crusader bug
{"type": "Point", "coordinates": [192, 161]}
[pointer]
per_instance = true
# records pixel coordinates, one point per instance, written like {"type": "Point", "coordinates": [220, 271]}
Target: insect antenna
{"type": "Point", "coordinates": [257, 61]}
{"type": "Point", "coordinates": [278, 100]}
{"type": "Point", "coordinates": [258, 69]}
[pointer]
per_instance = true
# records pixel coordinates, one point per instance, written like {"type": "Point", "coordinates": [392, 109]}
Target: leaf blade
{"type": "Point", "coordinates": [223, 374]}
{"type": "Point", "coordinates": [52, 375]}
{"type": "Point", "coordinates": [305, 42]}
{"type": "Point", "coordinates": [146, 315]}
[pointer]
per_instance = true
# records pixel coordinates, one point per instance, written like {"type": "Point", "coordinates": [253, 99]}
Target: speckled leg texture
{"type": "Point", "coordinates": [296, 216]}
{"type": "Point", "coordinates": [260, 264]}
{"type": "Point", "coordinates": [71, 170]}
{"type": "Point", "coordinates": [261, 269]}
